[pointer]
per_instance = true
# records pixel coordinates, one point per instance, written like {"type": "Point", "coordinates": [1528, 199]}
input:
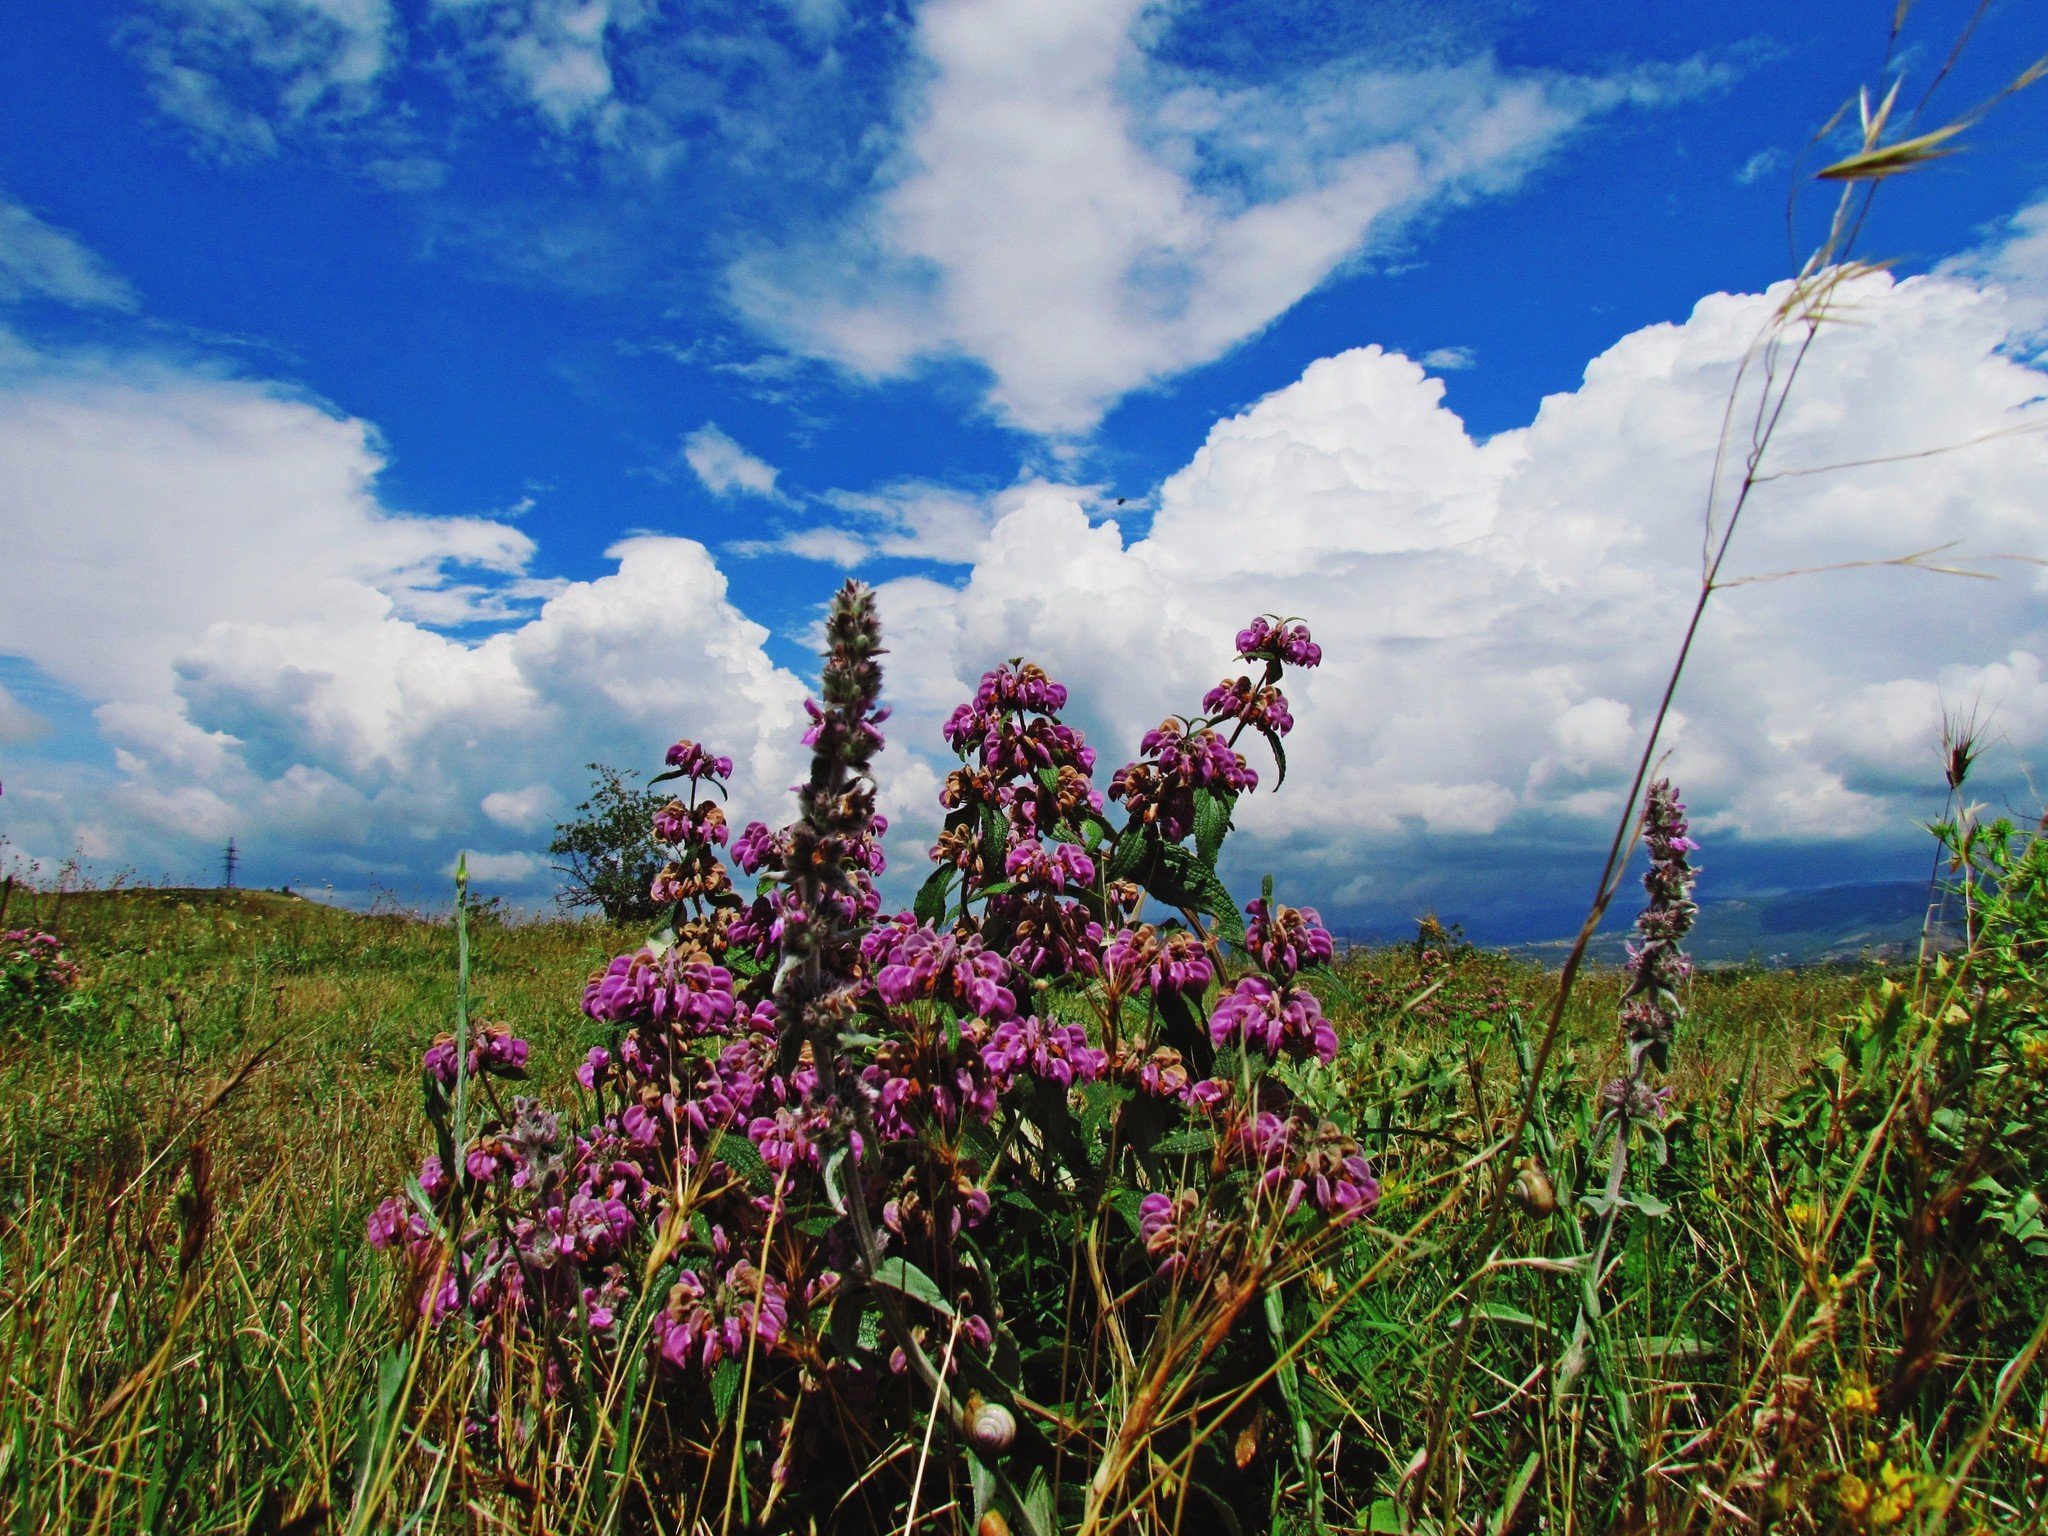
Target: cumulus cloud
{"type": "Point", "coordinates": [238, 72]}
{"type": "Point", "coordinates": [2015, 257]}
{"type": "Point", "coordinates": [40, 261]}
{"type": "Point", "coordinates": [18, 723]}
{"type": "Point", "coordinates": [275, 653]}
{"type": "Point", "coordinates": [724, 467]}
{"type": "Point", "coordinates": [1498, 617]}
{"type": "Point", "coordinates": [1083, 220]}
{"type": "Point", "coordinates": [205, 560]}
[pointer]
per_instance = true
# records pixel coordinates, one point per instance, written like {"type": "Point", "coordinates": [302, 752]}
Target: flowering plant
{"type": "Point", "coordinates": [1002, 1174]}
{"type": "Point", "coordinates": [36, 975]}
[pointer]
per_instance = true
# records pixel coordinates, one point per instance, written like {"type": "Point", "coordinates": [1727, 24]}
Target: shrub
{"type": "Point", "coordinates": [36, 976]}
{"type": "Point", "coordinates": [1017, 1174]}
{"type": "Point", "coordinates": [607, 850]}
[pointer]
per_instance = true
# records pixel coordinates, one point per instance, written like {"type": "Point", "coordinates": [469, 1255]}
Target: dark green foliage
{"type": "Point", "coordinates": [606, 853]}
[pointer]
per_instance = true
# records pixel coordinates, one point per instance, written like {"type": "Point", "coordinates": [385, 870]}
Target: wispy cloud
{"type": "Point", "coordinates": [1083, 220]}
{"type": "Point", "coordinates": [237, 73]}
{"type": "Point", "coordinates": [1450, 359]}
{"type": "Point", "coordinates": [38, 260]}
{"type": "Point", "coordinates": [1765, 162]}
{"type": "Point", "coordinates": [727, 469]}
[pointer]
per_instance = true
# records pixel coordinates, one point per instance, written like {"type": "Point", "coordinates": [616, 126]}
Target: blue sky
{"type": "Point", "coordinates": [343, 342]}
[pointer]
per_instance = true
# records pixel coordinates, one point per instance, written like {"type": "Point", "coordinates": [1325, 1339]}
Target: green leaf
{"type": "Point", "coordinates": [1279, 753]}
{"type": "Point", "coordinates": [725, 1386]}
{"type": "Point", "coordinates": [1179, 879]}
{"type": "Point", "coordinates": [930, 906]}
{"type": "Point", "coordinates": [1212, 824]}
{"type": "Point", "coordinates": [995, 843]}
{"type": "Point", "coordinates": [902, 1276]}
{"type": "Point", "coordinates": [1131, 848]}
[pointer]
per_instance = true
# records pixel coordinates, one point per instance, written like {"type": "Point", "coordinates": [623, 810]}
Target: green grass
{"type": "Point", "coordinates": [200, 1340]}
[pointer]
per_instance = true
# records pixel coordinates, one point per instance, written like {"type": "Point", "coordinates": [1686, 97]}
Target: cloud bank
{"type": "Point", "coordinates": [1081, 219]}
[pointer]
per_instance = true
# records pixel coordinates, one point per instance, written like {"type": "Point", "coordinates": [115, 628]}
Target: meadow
{"type": "Point", "coordinates": [1817, 1319]}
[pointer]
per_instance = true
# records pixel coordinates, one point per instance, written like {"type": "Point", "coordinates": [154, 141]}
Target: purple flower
{"type": "Point", "coordinates": [702, 1325]}
{"type": "Point", "coordinates": [662, 989]}
{"type": "Point", "coordinates": [1285, 939]}
{"type": "Point", "coordinates": [1057, 1052]}
{"type": "Point", "coordinates": [1031, 865]}
{"type": "Point", "coordinates": [1287, 1019]}
{"type": "Point", "coordinates": [1657, 967]}
{"type": "Point", "coordinates": [1174, 962]}
{"type": "Point", "coordinates": [695, 762]}
{"type": "Point", "coordinates": [1261, 706]}
{"type": "Point", "coordinates": [1159, 788]}
{"type": "Point", "coordinates": [596, 1069]}
{"type": "Point", "coordinates": [701, 825]}
{"type": "Point", "coordinates": [914, 962]}
{"type": "Point", "coordinates": [1270, 639]}
{"type": "Point", "coordinates": [757, 848]}
{"type": "Point", "coordinates": [493, 1050]}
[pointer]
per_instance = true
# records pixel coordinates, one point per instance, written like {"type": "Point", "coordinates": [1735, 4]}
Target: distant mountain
{"type": "Point", "coordinates": [1829, 923]}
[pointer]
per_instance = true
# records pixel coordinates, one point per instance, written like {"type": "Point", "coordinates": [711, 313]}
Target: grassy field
{"type": "Point", "coordinates": [1801, 1333]}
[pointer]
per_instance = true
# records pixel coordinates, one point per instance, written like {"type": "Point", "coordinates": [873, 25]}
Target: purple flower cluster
{"type": "Point", "coordinates": [1299, 1163]}
{"type": "Point", "coordinates": [1046, 1048]}
{"type": "Point", "coordinates": [1158, 789]}
{"type": "Point", "coordinates": [1035, 866]}
{"type": "Point", "coordinates": [704, 1324]}
{"type": "Point", "coordinates": [670, 987]}
{"type": "Point", "coordinates": [1259, 705]}
{"type": "Point", "coordinates": [34, 970]}
{"type": "Point", "coordinates": [1276, 640]}
{"type": "Point", "coordinates": [913, 962]}
{"type": "Point", "coordinates": [1285, 939]}
{"type": "Point", "coordinates": [693, 762]}
{"type": "Point", "coordinates": [699, 824]}
{"type": "Point", "coordinates": [1657, 966]}
{"type": "Point", "coordinates": [1179, 1236]}
{"type": "Point", "coordinates": [1174, 961]}
{"type": "Point", "coordinates": [794, 1090]}
{"type": "Point", "coordinates": [493, 1050]}
{"type": "Point", "coordinates": [1276, 1019]}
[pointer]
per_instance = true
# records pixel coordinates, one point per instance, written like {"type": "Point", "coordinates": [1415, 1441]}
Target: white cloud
{"type": "Point", "coordinates": [1765, 162]}
{"type": "Point", "coordinates": [506, 868]}
{"type": "Point", "coordinates": [18, 723]}
{"type": "Point", "coordinates": [1450, 359]}
{"type": "Point", "coordinates": [205, 560]}
{"type": "Point", "coordinates": [236, 72]}
{"type": "Point", "coordinates": [2016, 258]}
{"type": "Point", "coordinates": [725, 467]}
{"type": "Point", "coordinates": [1084, 221]}
{"type": "Point", "coordinates": [524, 810]}
{"type": "Point", "coordinates": [905, 520]}
{"type": "Point", "coordinates": [556, 55]}
{"type": "Point", "coordinates": [1498, 618]}
{"type": "Point", "coordinates": [40, 261]}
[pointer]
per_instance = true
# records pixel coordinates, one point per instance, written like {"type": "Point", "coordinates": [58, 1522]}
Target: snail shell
{"type": "Point", "coordinates": [1533, 1189]}
{"type": "Point", "coordinates": [990, 1426]}
{"type": "Point", "coordinates": [993, 1524]}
